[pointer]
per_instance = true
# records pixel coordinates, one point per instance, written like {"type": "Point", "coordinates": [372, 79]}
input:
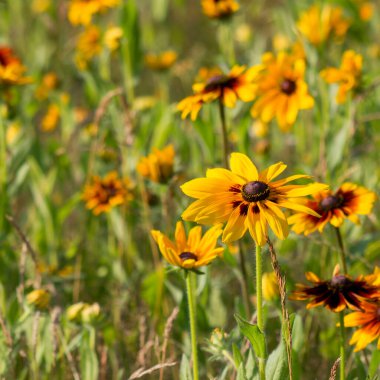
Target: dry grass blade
{"type": "Point", "coordinates": [334, 369]}
{"type": "Point", "coordinates": [142, 372]}
{"type": "Point", "coordinates": [281, 281]}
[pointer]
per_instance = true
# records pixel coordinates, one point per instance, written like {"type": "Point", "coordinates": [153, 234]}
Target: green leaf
{"type": "Point", "coordinates": [254, 335]}
{"type": "Point", "coordinates": [277, 364]}
{"type": "Point", "coordinates": [374, 364]}
{"type": "Point", "coordinates": [184, 369]}
{"type": "Point", "coordinates": [241, 372]}
{"type": "Point", "coordinates": [238, 358]}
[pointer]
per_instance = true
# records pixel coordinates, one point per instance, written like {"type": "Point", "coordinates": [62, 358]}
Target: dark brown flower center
{"type": "Point", "coordinates": [255, 191]}
{"type": "Point", "coordinates": [288, 86]}
{"type": "Point", "coordinates": [218, 81]}
{"type": "Point", "coordinates": [188, 256]}
{"type": "Point", "coordinates": [339, 281]}
{"type": "Point", "coordinates": [331, 202]}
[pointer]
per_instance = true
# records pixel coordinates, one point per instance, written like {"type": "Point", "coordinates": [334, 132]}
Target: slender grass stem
{"type": "Point", "coordinates": [224, 131]}
{"type": "Point", "coordinates": [3, 172]}
{"type": "Point", "coordinates": [190, 282]}
{"type": "Point", "coordinates": [259, 301]}
{"type": "Point", "coordinates": [342, 341]}
{"type": "Point", "coordinates": [342, 250]}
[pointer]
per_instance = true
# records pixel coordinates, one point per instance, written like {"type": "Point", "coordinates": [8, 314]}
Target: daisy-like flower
{"type": "Point", "coordinates": [105, 193]}
{"type": "Point", "coordinates": [88, 46]}
{"type": "Point", "coordinates": [81, 11]}
{"type": "Point", "coordinates": [51, 119]}
{"type": "Point", "coordinates": [39, 298]}
{"type": "Point", "coordinates": [348, 75]}
{"type": "Point", "coordinates": [219, 9]}
{"type": "Point", "coordinates": [11, 69]}
{"type": "Point", "coordinates": [368, 321]}
{"type": "Point", "coordinates": [337, 294]}
{"type": "Point", "coordinates": [192, 252]}
{"type": "Point", "coordinates": [158, 166]}
{"type": "Point", "coordinates": [349, 201]}
{"type": "Point", "coordinates": [246, 199]}
{"type": "Point", "coordinates": [237, 84]}
{"type": "Point", "coordinates": [318, 24]}
{"type": "Point", "coordinates": [48, 83]}
{"type": "Point", "coordinates": [282, 90]}
{"type": "Point", "coordinates": [161, 61]}
{"type": "Point", "coordinates": [112, 37]}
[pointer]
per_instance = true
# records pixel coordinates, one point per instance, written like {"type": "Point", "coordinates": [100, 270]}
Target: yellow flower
{"type": "Point", "coordinates": [347, 202]}
{"type": "Point", "coordinates": [81, 11]}
{"type": "Point", "coordinates": [11, 69]}
{"type": "Point", "coordinates": [88, 46]}
{"type": "Point", "coordinates": [280, 42]}
{"type": "Point", "coordinates": [74, 311]}
{"type": "Point", "coordinates": [282, 90]}
{"type": "Point", "coordinates": [369, 321]}
{"type": "Point", "coordinates": [39, 298]}
{"type": "Point", "coordinates": [48, 83]}
{"type": "Point", "coordinates": [348, 76]}
{"type": "Point", "coordinates": [51, 118]}
{"type": "Point", "coordinates": [237, 84]}
{"type": "Point", "coordinates": [219, 9]}
{"type": "Point", "coordinates": [158, 166]}
{"type": "Point", "coordinates": [105, 193]}
{"type": "Point", "coordinates": [192, 252]}
{"type": "Point", "coordinates": [246, 199]}
{"type": "Point", "coordinates": [112, 37]}
{"type": "Point", "coordinates": [260, 129]}
{"type": "Point", "coordinates": [270, 287]}
{"type": "Point", "coordinates": [162, 61]}
{"type": "Point", "coordinates": [366, 11]}
{"type": "Point", "coordinates": [13, 132]}
{"type": "Point", "coordinates": [91, 313]}
{"type": "Point", "coordinates": [40, 6]}
{"type": "Point", "coordinates": [318, 24]}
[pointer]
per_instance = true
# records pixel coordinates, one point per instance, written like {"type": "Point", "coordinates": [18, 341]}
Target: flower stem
{"type": "Point", "coordinates": [190, 281]}
{"type": "Point", "coordinates": [342, 250]}
{"type": "Point", "coordinates": [259, 301]}
{"type": "Point", "coordinates": [3, 171]}
{"type": "Point", "coordinates": [342, 351]}
{"type": "Point", "coordinates": [224, 131]}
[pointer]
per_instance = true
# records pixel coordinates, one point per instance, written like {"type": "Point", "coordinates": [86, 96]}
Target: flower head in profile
{"type": "Point", "coordinates": [158, 165]}
{"type": "Point", "coordinates": [228, 88]}
{"type": "Point", "coordinates": [282, 90]}
{"type": "Point", "coordinates": [102, 194]}
{"type": "Point", "coordinates": [88, 46]}
{"type": "Point", "coordinates": [11, 69]}
{"type": "Point", "coordinates": [246, 199]}
{"type": "Point", "coordinates": [348, 75]}
{"type": "Point", "coordinates": [112, 37]}
{"type": "Point", "coordinates": [219, 9]}
{"type": "Point", "coordinates": [80, 12]}
{"type": "Point", "coordinates": [161, 61]}
{"type": "Point", "coordinates": [189, 252]}
{"type": "Point", "coordinates": [318, 24]}
{"type": "Point", "coordinates": [39, 298]}
{"type": "Point", "coordinates": [51, 118]}
{"type": "Point", "coordinates": [349, 201]}
{"type": "Point", "coordinates": [337, 294]}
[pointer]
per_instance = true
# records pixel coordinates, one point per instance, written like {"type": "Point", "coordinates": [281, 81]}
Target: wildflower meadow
{"type": "Point", "coordinates": [189, 190]}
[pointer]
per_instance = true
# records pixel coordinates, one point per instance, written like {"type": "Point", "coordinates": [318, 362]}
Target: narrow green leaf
{"type": "Point", "coordinates": [277, 364]}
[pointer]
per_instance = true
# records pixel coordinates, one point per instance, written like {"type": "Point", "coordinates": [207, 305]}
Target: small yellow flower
{"type": "Point", "coordinates": [11, 69]}
{"type": "Point", "coordinates": [280, 42]}
{"type": "Point", "coordinates": [91, 313]}
{"type": "Point", "coordinates": [51, 118]}
{"type": "Point", "coordinates": [102, 194]}
{"type": "Point", "coordinates": [158, 166]}
{"type": "Point", "coordinates": [366, 11]}
{"type": "Point", "coordinates": [219, 9]}
{"type": "Point", "coordinates": [13, 132]}
{"type": "Point", "coordinates": [48, 83]}
{"type": "Point", "coordinates": [318, 24]}
{"type": "Point", "coordinates": [74, 312]}
{"type": "Point", "coordinates": [282, 90]}
{"type": "Point", "coordinates": [112, 37]}
{"type": "Point", "coordinates": [192, 252]}
{"type": "Point", "coordinates": [81, 11]}
{"type": "Point", "coordinates": [348, 76]}
{"type": "Point", "coordinates": [260, 129]}
{"type": "Point", "coordinates": [162, 61]}
{"type": "Point", "coordinates": [39, 298]}
{"type": "Point", "coordinates": [270, 286]}
{"type": "Point", "coordinates": [40, 6]}
{"type": "Point", "coordinates": [88, 46]}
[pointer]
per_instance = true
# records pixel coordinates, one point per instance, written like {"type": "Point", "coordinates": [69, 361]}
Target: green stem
{"type": "Point", "coordinates": [3, 171]}
{"type": "Point", "coordinates": [342, 250]}
{"type": "Point", "coordinates": [224, 131]}
{"type": "Point", "coordinates": [190, 280]}
{"type": "Point", "coordinates": [259, 301]}
{"type": "Point", "coordinates": [342, 351]}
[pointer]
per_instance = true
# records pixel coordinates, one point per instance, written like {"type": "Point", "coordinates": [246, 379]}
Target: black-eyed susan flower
{"type": "Point", "coordinates": [51, 118]}
{"type": "Point", "coordinates": [11, 69]}
{"type": "Point", "coordinates": [337, 294]}
{"type": "Point", "coordinates": [368, 322]}
{"type": "Point", "coordinates": [348, 75]}
{"type": "Point", "coordinates": [237, 84]}
{"type": "Point", "coordinates": [161, 61]}
{"type": "Point", "coordinates": [48, 83]}
{"type": "Point", "coordinates": [246, 199]}
{"type": "Point", "coordinates": [158, 165]}
{"type": "Point", "coordinates": [112, 37]}
{"type": "Point", "coordinates": [80, 12]}
{"type": "Point", "coordinates": [219, 9]}
{"type": "Point", "coordinates": [88, 46]}
{"type": "Point", "coordinates": [102, 194]}
{"type": "Point", "coordinates": [189, 252]}
{"type": "Point", "coordinates": [39, 298]}
{"type": "Point", "coordinates": [282, 90]}
{"type": "Point", "coordinates": [349, 201]}
{"type": "Point", "coordinates": [318, 24]}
